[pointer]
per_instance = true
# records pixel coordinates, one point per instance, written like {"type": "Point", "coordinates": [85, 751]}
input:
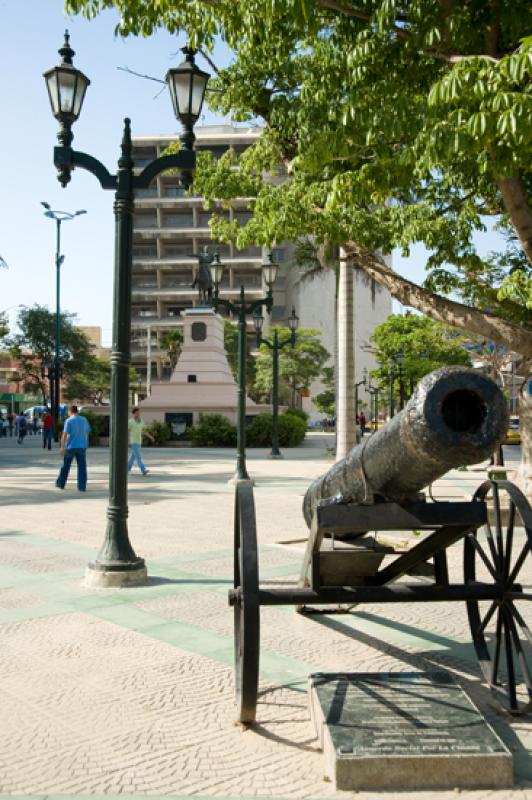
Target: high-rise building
{"type": "Point", "coordinates": [171, 229]}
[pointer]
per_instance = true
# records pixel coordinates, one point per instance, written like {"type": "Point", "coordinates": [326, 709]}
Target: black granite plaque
{"type": "Point", "coordinates": [402, 714]}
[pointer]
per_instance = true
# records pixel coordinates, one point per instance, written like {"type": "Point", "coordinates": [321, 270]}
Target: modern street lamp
{"type": "Point", "coordinates": [241, 309]}
{"type": "Point", "coordinates": [275, 346]}
{"type": "Point", "coordinates": [58, 217]}
{"type": "Point", "coordinates": [116, 563]}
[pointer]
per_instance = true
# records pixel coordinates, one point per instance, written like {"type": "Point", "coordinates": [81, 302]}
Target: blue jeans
{"type": "Point", "coordinates": [135, 456]}
{"type": "Point", "coordinates": [79, 454]}
{"type": "Point", "coordinates": [47, 438]}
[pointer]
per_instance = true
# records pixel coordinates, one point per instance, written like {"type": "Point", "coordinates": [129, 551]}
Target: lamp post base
{"type": "Point", "coordinates": [116, 575]}
{"type": "Point", "coordinates": [276, 454]}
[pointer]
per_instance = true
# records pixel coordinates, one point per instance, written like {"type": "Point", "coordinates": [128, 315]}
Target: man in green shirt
{"type": "Point", "coordinates": [136, 431]}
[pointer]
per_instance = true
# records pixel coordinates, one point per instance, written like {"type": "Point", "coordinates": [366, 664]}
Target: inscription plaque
{"type": "Point", "coordinates": [404, 730]}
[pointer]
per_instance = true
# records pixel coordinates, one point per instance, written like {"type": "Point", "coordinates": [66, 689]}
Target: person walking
{"type": "Point", "coordinates": [3, 429]}
{"type": "Point", "coordinates": [74, 443]}
{"type": "Point", "coordinates": [136, 428]}
{"type": "Point", "coordinates": [22, 428]}
{"type": "Point", "coordinates": [47, 430]}
{"type": "Point", "coordinates": [11, 422]}
{"type": "Point", "coordinates": [362, 421]}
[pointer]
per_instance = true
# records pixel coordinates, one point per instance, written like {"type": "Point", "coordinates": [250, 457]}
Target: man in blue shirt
{"type": "Point", "coordinates": [74, 443]}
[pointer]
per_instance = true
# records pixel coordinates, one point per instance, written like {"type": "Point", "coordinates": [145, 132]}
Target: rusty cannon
{"type": "Point", "coordinates": [455, 417]}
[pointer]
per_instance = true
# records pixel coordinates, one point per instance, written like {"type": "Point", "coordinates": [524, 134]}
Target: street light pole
{"type": "Point", "coordinates": [275, 346]}
{"type": "Point", "coordinates": [117, 563]}
{"type": "Point", "coordinates": [242, 309]}
{"type": "Point", "coordinates": [58, 217]}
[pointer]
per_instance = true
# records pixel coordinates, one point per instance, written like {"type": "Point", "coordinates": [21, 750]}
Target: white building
{"type": "Point", "coordinates": [169, 228]}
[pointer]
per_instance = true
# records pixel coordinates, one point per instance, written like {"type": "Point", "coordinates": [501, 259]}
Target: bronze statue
{"type": "Point", "coordinates": [203, 276]}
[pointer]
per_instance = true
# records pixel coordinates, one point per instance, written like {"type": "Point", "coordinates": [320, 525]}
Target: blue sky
{"type": "Point", "coordinates": [30, 34]}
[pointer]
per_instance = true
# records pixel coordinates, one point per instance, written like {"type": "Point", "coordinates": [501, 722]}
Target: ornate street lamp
{"type": "Point", "coordinates": [116, 563]}
{"type": "Point", "coordinates": [58, 217]}
{"type": "Point", "coordinates": [241, 309]}
{"type": "Point", "coordinates": [275, 346]}
{"type": "Point", "coordinates": [187, 84]}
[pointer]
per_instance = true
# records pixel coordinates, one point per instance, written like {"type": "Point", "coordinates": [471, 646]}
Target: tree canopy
{"type": "Point", "coordinates": [397, 122]}
{"type": "Point", "coordinates": [424, 345]}
{"type": "Point", "coordinates": [36, 344]}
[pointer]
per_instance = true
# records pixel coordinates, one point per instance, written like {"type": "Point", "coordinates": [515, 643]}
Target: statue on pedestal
{"type": "Point", "coordinates": [203, 276]}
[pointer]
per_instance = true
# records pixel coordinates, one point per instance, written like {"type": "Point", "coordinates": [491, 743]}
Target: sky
{"type": "Point", "coordinates": [31, 32]}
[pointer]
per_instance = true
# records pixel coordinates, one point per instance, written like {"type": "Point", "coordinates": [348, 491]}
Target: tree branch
{"type": "Point", "coordinates": [440, 308]}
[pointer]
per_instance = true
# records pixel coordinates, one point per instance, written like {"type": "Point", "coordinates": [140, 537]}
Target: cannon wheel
{"type": "Point", "coordinates": [498, 628]}
{"type": "Point", "coordinates": [246, 611]}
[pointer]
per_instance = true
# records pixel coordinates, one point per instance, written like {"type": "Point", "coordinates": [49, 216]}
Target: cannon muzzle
{"type": "Point", "coordinates": [455, 417]}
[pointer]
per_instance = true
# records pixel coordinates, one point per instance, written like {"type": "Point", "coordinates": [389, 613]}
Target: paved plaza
{"type": "Point", "coordinates": [130, 692]}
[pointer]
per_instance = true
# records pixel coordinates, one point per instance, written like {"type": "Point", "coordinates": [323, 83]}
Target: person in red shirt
{"type": "Point", "coordinates": [47, 430]}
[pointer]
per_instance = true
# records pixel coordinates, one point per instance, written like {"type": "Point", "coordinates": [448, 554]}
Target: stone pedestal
{"type": "Point", "coordinates": [202, 381]}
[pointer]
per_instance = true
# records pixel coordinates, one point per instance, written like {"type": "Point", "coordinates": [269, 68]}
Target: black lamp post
{"type": "Point", "coordinates": [374, 405]}
{"type": "Point", "coordinates": [58, 217]}
{"type": "Point", "coordinates": [241, 309]}
{"type": "Point", "coordinates": [275, 346]}
{"type": "Point", "coordinates": [363, 382]}
{"type": "Point", "coordinates": [399, 360]}
{"type": "Point", "coordinates": [391, 368]}
{"type": "Point", "coordinates": [117, 564]}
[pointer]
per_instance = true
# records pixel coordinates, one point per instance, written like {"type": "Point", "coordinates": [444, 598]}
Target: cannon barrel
{"type": "Point", "coordinates": [455, 417]}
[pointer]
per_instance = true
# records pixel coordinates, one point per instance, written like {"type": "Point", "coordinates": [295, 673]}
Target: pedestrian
{"type": "Point", "coordinates": [10, 422]}
{"type": "Point", "coordinates": [74, 443]}
{"type": "Point", "coordinates": [362, 420]}
{"type": "Point", "coordinates": [136, 428]}
{"type": "Point", "coordinates": [47, 430]}
{"type": "Point", "coordinates": [3, 429]}
{"type": "Point", "coordinates": [22, 428]}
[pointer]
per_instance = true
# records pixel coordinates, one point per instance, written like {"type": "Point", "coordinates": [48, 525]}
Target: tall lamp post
{"type": "Point", "coordinates": [116, 563]}
{"type": "Point", "coordinates": [241, 309]}
{"type": "Point", "coordinates": [363, 382]}
{"type": "Point", "coordinates": [58, 217]}
{"type": "Point", "coordinates": [275, 345]}
{"type": "Point", "coordinates": [391, 370]}
{"type": "Point", "coordinates": [399, 360]}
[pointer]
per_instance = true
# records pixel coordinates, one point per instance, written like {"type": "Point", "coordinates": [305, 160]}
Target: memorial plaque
{"type": "Point", "coordinates": [404, 730]}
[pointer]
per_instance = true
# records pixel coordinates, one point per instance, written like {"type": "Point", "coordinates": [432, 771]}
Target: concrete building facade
{"type": "Point", "coordinates": [169, 229]}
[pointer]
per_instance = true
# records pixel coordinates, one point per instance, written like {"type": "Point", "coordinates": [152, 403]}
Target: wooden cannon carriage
{"type": "Point", "coordinates": [343, 564]}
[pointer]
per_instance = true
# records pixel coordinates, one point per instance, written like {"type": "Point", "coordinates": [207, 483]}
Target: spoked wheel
{"type": "Point", "coordinates": [500, 553]}
{"type": "Point", "coordinates": [246, 610]}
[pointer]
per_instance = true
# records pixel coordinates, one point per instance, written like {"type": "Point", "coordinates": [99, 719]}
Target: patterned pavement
{"type": "Point", "coordinates": [130, 692]}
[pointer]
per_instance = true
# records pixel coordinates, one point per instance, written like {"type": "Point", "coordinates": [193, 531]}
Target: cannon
{"type": "Point", "coordinates": [455, 417]}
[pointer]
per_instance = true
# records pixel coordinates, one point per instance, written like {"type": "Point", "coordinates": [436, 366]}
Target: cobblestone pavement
{"type": "Point", "coordinates": [130, 692]}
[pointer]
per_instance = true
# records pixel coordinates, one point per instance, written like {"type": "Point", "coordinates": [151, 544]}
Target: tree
{"type": "Point", "coordinates": [172, 342]}
{"type": "Point", "coordinates": [92, 383]}
{"type": "Point", "coordinates": [398, 123]}
{"type": "Point", "coordinates": [36, 343]}
{"type": "Point", "coordinates": [425, 345]}
{"type": "Point", "coordinates": [298, 365]}
{"type": "Point", "coordinates": [326, 400]}
{"type": "Point", "coordinates": [4, 326]}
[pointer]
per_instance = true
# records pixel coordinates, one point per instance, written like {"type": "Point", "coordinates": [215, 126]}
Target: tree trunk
{"type": "Point", "coordinates": [524, 473]}
{"type": "Point", "coordinates": [516, 204]}
{"type": "Point", "coordinates": [345, 400]}
{"type": "Point", "coordinates": [449, 312]}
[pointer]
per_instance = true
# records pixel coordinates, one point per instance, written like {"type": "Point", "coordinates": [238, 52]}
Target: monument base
{"type": "Point", "coordinates": [404, 731]}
